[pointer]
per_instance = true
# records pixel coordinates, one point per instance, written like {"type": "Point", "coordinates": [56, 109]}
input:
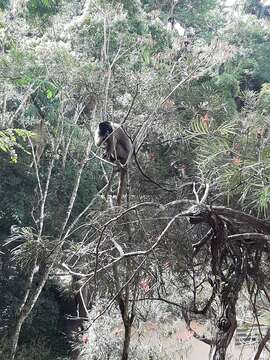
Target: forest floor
{"type": "Point", "coordinates": [178, 343]}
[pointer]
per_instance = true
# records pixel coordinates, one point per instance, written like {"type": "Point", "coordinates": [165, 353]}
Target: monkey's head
{"type": "Point", "coordinates": [103, 130]}
{"type": "Point", "coordinates": [172, 20]}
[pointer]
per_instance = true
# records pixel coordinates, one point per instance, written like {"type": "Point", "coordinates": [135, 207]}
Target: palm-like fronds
{"type": "Point", "coordinates": [212, 144]}
{"type": "Point", "coordinates": [22, 244]}
{"type": "Point", "coordinates": [236, 160]}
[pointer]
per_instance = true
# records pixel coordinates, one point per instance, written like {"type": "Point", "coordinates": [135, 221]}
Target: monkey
{"type": "Point", "coordinates": [239, 102]}
{"type": "Point", "coordinates": [116, 141]}
{"type": "Point", "coordinates": [118, 149]}
{"type": "Point", "coordinates": [174, 25]}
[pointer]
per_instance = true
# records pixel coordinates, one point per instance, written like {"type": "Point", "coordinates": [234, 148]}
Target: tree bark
{"type": "Point", "coordinates": [126, 342]}
{"type": "Point", "coordinates": [229, 278]}
{"type": "Point", "coordinates": [262, 345]}
{"type": "Point", "coordinates": [25, 310]}
{"type": "Point", "coordinates": [16, 334]}
{"type": "Point", "coordinates": [223, 339]}
{"type": "Point", "coordinates": [227, 322]}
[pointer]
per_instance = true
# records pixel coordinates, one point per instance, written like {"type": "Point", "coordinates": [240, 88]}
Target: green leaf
{"type": "Point", "coordinates": [49, 94]}
{"type": "Point", "coordinates": [23, 81]}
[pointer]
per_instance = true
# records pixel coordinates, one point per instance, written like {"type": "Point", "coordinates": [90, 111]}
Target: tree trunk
{"type": "Point", "coordinates": [126, 342]}
{"type": "Point", "coordinates": [262, 345]}
{"type": "Point", "coordinates": [16, 334]}
{"type": "Point", "coordinates": [223, 340]}
{"type": "Point", "coordinates": [25, 310]}
{"type": "Point", "coordinates": [227, 322]}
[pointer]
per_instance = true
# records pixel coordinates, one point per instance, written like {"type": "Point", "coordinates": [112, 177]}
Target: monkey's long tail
{"type": "Point", "coordinates": [148, 178]}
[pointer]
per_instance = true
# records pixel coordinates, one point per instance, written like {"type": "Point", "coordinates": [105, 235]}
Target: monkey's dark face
{"type": "Point", "coordinates": [171, 20]}
{"type": "Point", "coordinates": [102, 132]}
{"type": "Point", "coordinates": [105, 129]}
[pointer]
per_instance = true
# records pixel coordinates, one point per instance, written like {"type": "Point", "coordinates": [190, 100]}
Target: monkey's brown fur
{"type": "Point", "coordinates": [118, 148]}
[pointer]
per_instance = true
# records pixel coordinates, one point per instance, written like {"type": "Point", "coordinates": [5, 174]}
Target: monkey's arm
{"type": "Point", "coordinates": [123, 146]}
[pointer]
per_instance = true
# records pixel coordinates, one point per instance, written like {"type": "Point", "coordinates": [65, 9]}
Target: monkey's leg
{"type": "Point", "coordinates": [122, 178]}
{"type": "Point", "coordinates": [109, 185]}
